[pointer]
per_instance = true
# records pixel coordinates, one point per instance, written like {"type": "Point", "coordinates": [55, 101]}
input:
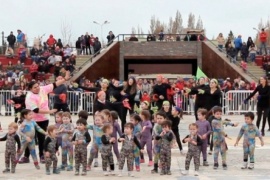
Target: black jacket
{"type": "Point", "coordinates": [11, 39]}
{"type": "Point", "coordinates": [97, 46]}
{"type": "Point", "coordinates": [201, 99]}
{"type": "Point", "coordinates": [264, 96]}
{"type": "Point", "coordinates": [87, 40]}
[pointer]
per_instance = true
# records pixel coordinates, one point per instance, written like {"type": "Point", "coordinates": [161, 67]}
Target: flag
{"type": "Point", "coordinates": [200, 73]}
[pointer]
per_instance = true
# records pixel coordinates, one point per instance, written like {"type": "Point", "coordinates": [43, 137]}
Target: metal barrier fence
{"type": "Point", "coordinates": [231, 102]}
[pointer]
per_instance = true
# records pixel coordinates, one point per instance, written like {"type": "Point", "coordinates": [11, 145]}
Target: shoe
{"type": "Point", "coordinates": [205, 163]}
{"type": "Point", "coordinates": [150, 163]}
{"type": "Point", "coordinates": [224, 166]}
{"type": "Point", "coordinates": [154, 171]}
{"type": "Point", "coordinates": [24, 160]}
{"type": "Point", "coordinates": [106, 173]}
{"type": "Point", "coordinates": [215, 165]}
{"type": "Point", "coordinates": [37, 166]}
{"type": "Point", "coordinates": [196, 173]}
{"type": "Point", "coordinates": [184, 172]}
{"type": "Point", "coordinates": [137, 168]}
{"type": "Point", "coordinates": [77, 173]}
{"type": "Point", "coordinates": [142, 161]}
{"type": "Point", "coordinates": [162, 172]}
{"type": "Point", "coordinates": [70, 168]}
{"type": "Point", "coordinates": [83, 173]}
{"type": "Point", "coordinates": [263, 133]}
{"type": "Point", "coordinates": [42, 160]}
{"type": "Point", "coordinates": [120, 174]}
{"type": "Point", "coordinates": [169, 172]}
{"type": "Point", "coordinates": [130, 174]}
{"type": "Point", "coordinates": [251, 166]}
{"type": "Point", "coordinates": [96, 164]}
{"type": "Point", "coordinates": [56, 171]}
{"type": "Point", "coordinates": [48, 172]}
{"type": "Point", "coordinates": [6, 171]}
{"type": "Point", "coordinates": [12, 171]}
{"type": "Point", "coordinates": [182, 153]}
{"type": "Point", "coordinates": [88, 168]}
{"type": "Point", "coordinates": [112, 173]}
{"type": "Point", "coordinates": [210, 152]}
{"type": "Point", "coordinates": [63, 167]}
{"type": "Point", "coordinates": [244, 165]}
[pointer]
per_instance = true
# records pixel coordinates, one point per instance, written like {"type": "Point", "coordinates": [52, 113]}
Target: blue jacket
{"type": "Point", "coordinates": [238, 42]}
{"type": "Point", "coordinates": [20, 37]}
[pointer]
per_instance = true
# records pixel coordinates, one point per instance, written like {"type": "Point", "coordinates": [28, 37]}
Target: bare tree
{"type": "Point", "coordinates": [191, 21]}
{"type": "Point", "coordinates": [199, 25]}
{"type": "Point", "coordinates": [133, 30]}
{"type": "Point", "coordinates": [177, 24]}
{"type": "Point", "coordinates": [152, 24]}
{"type": "Point", "coordinates": [66, 31]}
{"type": "Point", "coordinates": [170, 26]}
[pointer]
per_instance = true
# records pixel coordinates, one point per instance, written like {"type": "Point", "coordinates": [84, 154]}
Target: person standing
{"type": "Point", "coordinates": [60, 99]}
{"type": "Point", "coordinates": [87, 43]}
{"type": "Point", "coordinates": [11, 40]}
{"type": "Point", "coordinates": [110, 38]}
{"type": "Point", "coordinates": [238, 44]}
{"type": "Point", "coordinates": [160, 91]}
{"type": "Point", "coordinates": [263, 40]}
{"type": "Point", "coordinates": [37, 101]}
{"type": "Point", "coordinates": [97, 46]}
{"type": "Point", "coordinates": [20, 37]}
{"type": "Point", "coordinates": [221, 41]}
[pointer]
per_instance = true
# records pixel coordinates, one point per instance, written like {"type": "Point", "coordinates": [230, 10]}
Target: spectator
{"type": "Point", "coordinates": [16, 85]}
{"type": "Point", "coordinates": [92, 40]}
{"type": "Point", "coordinates": [35, 53]}
{"type": "Point", "coordinates": [34, 70]}
{"type": "Point", "coordinates": [51, 42]}
{"type": "Point", "coordinates": [67, 52]}
{"type": "Point", "coordinates": [133, 38]}
{"type": "Point", "coordinates": [227, 44]}
{"type": "Point", "coordinates": [178, 38]}
{"type": "Point", "coordinates": [9, 53]}
{"type": "Point", "coordinates": [252, 53]}
{"type": "Point", "coordinates": [146, 87]}
{"type": "Point", "coordinates": [201, 36]}
{"type": "Point", "coordinates": [263, 40]}
{"type": "Point", "coordinates": [238, 44]}
{"type": "Point", "coordinates": [97, 46]}
{"type": "Point", "coordinates": [68, 66]}
{"type": "Point", "coordinates": [59, 44]}
{"type": "Point", "coordinates": [78, 46]}
{"type": "Point", "coordinates": [19, 66]}
{"type": "Point", "coordinates": [17, 74]}
{"type": "Point", "coordinates": [7, 95]}
{"type": "Point", "coordinates": [51, 60]}
{"type": "Point", "coordinates": [20, 37]}
{"type": "Point", "coordinates": [87, 42]}
{"type": "Point", "coordinates": [244, 52]}
{"type": "Point", "coordinates": [161, 35]}
{"type": "Point", "coordinates": [149, 37]}
{"type": "Point", "coordinates": [110, 38]}
{"type": "Point", "coordinates": [1, 67]}
{"type": "Point", "coordinates": [22, 53]}
{"type": "Point", "coordinates": [10, 68]}
{"type": "Point", "coordinates": [221, 41]}
{"type": "Point", "coordinates": [83, 44]}
{"type": "Point", "coordinates": [42, 68]}
{"type": "Point", "coordinates": [249, 42]}
{"type": "Point", "coordinates": [231, 52]}
{"type": "Point", "coordinates": [160, 91]}
{"type": "Point", "coordinates": [57, 69]}
{"type": "Point", "coordinates": [11, 40]}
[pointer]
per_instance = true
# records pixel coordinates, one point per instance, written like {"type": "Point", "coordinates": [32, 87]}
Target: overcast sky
{"type": "Point", "coordinates": [36, 17]}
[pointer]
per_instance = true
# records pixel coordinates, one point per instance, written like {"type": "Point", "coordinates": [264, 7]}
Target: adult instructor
{"type": "Point", "coordinates": [37, 101]}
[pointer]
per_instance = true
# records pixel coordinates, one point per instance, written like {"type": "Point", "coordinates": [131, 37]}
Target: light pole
{"type": "Point", "coordinates": [101, 29]}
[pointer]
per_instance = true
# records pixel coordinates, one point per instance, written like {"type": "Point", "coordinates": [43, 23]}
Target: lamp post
{"type": "Point", "coordinates": [101, 29]}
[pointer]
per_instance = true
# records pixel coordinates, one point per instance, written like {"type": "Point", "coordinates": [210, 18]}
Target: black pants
{"type": "Point", "coordinates": [87, 47]}
{"type": "Point", "coordinates": [64, 107]}
{"type": "Point", "coordinates": [123, 116]}
{"type": "Point", "coordinates": [265, 112]}
{"type": "Point", "coordinates": [40, 137]}
{"type": "Point", "coordinates": [177, 136]}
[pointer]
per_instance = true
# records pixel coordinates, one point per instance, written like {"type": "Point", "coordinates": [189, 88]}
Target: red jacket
{"type": "Point", "coordinates": [263, 36]}
{"type": "Point", "coordinates": [170, 94]}
{"type": "Point", "coordinates": [180, 85]}
{"type": "Point", "coordinates": [145, 97]}
{"type": "Point", "coordinates": [51, 41]}
{"type": "Point", "coordinates": [1, 83]}
{"type": "Point", "coordinates": [33, 68]}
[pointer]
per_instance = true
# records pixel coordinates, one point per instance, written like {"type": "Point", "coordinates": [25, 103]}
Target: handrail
{"type": "Point", "coordinates": [236, 62]}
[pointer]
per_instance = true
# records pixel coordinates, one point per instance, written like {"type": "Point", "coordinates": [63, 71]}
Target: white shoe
{"type": "Point", "coordinates": [251, 166]}
{"type": "Point", "coordinates": [184, 172]}
{"type": "Point", "coordinates": [130, 174]}
{"type": "Point", "coordinates": [112, 173]}
{"type": "Point", "coordinates": [120, 174]}
{"type": "Point", "coordinates": [106, 174]}
{"type": "Point", "coordinates": [244, 165]}
{"type": "Point", "coordinates": [182, 153]}
{"type": "Point", "coordinates": [196, 173]}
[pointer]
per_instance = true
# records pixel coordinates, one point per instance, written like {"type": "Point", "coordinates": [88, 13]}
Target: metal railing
{"type": "Point", "coordinates": [231, 102]}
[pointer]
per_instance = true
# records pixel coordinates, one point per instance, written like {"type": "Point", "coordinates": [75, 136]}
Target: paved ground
{"type": "Point", "coordinates": [234, 160]}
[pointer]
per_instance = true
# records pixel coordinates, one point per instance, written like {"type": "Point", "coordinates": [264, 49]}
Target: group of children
{"type": "Point", "coordinates": [158, 132]}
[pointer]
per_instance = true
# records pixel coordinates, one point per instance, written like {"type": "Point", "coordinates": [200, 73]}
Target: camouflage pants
{"type": "Point", "coordinates": [107, 159]}
{"type": "Point", "coordinates": [81, 158]}
{"type": "Point", "coordinates": [195, 154]}
{"type": "Point", "coordinates": [67, 153]}
{"type": "Point", "coordinates": [165, 159]}
{"type": "Point", "coordinates": [10, 156]}
{"type": "Point", "coordinates": [129, 155]}
{"type": "Point", "coordinates": [51, 160]}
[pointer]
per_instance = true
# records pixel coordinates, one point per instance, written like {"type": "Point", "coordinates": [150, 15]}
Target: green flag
{"type": "Point", "coordinates": [199, 73]}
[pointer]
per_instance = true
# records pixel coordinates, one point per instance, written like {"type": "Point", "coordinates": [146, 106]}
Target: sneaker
{"type": "Point", "coordinates": [182, 153]}
{"type": "Point", "coordinates": [6, 171]}
{"type": "Point", "coordinates": [24, 160]}
{"type": "Point", "coordinates": [13, 171]}
{"type": "Point", "coordinates": [106, 173]}
{"type": "Point", "coordinates": [56, 171]}
{"type": "Point", "coordinates": [70, 168]}
{"type": "Point", "coordinates": [63, 167]}
{"type": "Point", "coordinates": [150, 163]}
{"type": "Point", "coordinates": [205, 163]}
{"type": "Point", "coordinates": [210, 152]}
{"type": "Point", "coordinates": [112, 173]}
{"type": "Point", "coordinates": [120, 174]}
{"type": "Point", "coordinates": [137, 168]}
{"type": "Point", "coordinates": [162, 172]}
{"type": "Point", "coordinates": [251, 166]}
{"type": "Point", "coordinates": [196, 173]}
{"type": "Point", "coordinates": [215, 165]}
{"type": "Point", "coordinates": [48, 172]}
{"type": "Point", "coordinates": [154, 171]}
{"type": "Point", "coordinates": [42, 160]}
{"type": "Point", "coordinates": [88, 168]}
{"type": "Point", "coordinates": [244, 165]}
{"type": "Point", "coordinates": [83, 173]}
{"type": "Point", "coordinates": [224, 166]}
{"type": "Point", "coordinates": [142, 161]}
{"type": "Point", "coordinates": [169, 173]}
{"type": "Point", "coordinates": [96, 164]}
{"type": "Point", "coordinates": [37, 166]}
{"type": "Point", "coordinates": [130, 174]}
{"type": "Point", "coordinates": [184, 172]}
{"type": "Point", "coordinates": [76, 173]}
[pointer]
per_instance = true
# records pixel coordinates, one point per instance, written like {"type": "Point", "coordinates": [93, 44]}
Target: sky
{"type": "Point", "coordinates": [37, 17]}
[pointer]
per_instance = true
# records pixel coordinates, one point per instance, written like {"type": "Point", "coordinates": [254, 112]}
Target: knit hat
{"type": "Point", "coordinates": [146, 103]}
{"type": "Point", "coordinates": [177, 109]}
{"type": "Point", "coordinates": [166, 103]}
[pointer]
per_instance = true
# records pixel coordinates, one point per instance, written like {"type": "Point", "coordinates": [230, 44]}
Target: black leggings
{"type": "Point", "coordinates": [123, 116]}
{"type": "Point", "coordinates": [265, 112]}
{"type": "Point", "coordinates": [40, 137]}
{"type": "Point", "coordinates": [177, 136]}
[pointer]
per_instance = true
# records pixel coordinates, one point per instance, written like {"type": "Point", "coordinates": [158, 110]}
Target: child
{"type": "Point", "coordinates": [219, 135]}
{"type": "Point", "coordinates": [194, 142]}
{"type": "Point", "coordinates": [175, 116]}
{"type": "Point", "coordinates": [161, 117]}
{"type": "Point", "coordinates": [81, 139]}
{"type": "Point", "coordinates": [83, 115]}
{"type": "Point", "coordinates": [107, 116]}
{"type": "Point", "coordinates": [96, 145]}
{"type": "Point", "coordinates": [204, 129]}
{"type": "Point", "coordinates": [27, 131]}
{"type": "Point", "coordinates": [250, 131]}
{"type": "Point", "coordinates": [166, 137]}
{"type": "Point", "coordinates": [129, 141]}
{"type": "Point", "coordinates": [146, 137]}
{"type": "Point", "coordinates": [166, 108]}
{"type": "Point", "coordinates": [67, 130]}
{"type": "Point", "coordinates": [51, 148]}
{"type": "Point", "coordinates": [11, 139]}
{"type": "Point", "coordinates": [106, 149]}
{"type": "Point", "coordinates": [136, 121]}
{"type": "Point", "coordinates": [18, 102]}
{"type": "Point", "coordinates": [58, 123]}
{"type": "Point", "coordinates": [116, 129]}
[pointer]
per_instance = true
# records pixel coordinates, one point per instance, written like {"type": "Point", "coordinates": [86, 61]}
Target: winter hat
{"type": "Point", "coordinates": [146, 103]}
{"type": "Point", "coordinates": [177, 109]}
{"type": "Point", "coordinates": [166, 103]}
